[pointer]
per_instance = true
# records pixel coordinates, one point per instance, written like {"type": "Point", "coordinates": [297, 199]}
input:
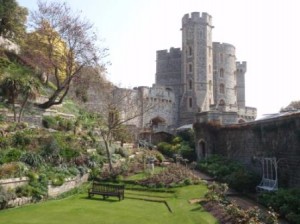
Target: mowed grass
{"type": "Point", "coordinates": [80, 209]}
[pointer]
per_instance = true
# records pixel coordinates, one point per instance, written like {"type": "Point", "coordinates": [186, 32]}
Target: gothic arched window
{"type": "Point", "coordinates": [222, 88]}
{"type": "Point", "coordinates": [190, 102]}
{"type": "Point", "coordinates": [209, 84]}
{"type": "Point", "coordinates": [222, 103]}
{"type": "Point", "coordinates": [190, 84]}
{"type": "Point", "coordinates": [190, 52]}
{"type": "Point", "coordinates": [221, 72]}
{"type": "Point", "coordinates": [190, 67]}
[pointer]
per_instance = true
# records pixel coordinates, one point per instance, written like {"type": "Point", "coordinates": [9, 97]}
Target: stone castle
{"type": "Point", "coordinates": [202, 76]}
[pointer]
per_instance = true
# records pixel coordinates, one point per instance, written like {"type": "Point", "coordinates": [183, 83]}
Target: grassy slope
{"type": "Point", "coordinates": [79, 209]}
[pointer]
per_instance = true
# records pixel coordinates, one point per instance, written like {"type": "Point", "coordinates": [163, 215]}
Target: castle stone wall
{"type": "Point", "coordinates": [278, 137]}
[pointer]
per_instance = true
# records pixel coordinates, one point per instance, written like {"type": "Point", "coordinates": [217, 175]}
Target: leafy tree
{"type": "Point", "coordinates": [68, 45]}
{"type": "Point", "coordinates": [18, 82]}
{"type": "Point", "coordinates": [12, 19]}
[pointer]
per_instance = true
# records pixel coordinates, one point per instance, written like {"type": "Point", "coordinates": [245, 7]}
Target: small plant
{"type": "Point", "coordinates": [5, 197]}
{"type": "Point", "coordinates": [49, 122]}
{"type": "Point", "coordinates": [58, 180]}
{"type": "Point", "coordinates": [32, 158]}
{"type": "Point", "coordinates": [20, 139]}
{"type": "Point", "coordinates": [13, 169]}
{"type": "Point", "coordinates": [24, 191]}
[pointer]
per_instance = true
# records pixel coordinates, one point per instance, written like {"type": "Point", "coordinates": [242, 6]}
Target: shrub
{"type": "Point", "coordinates": [68, 154]}
{"type": "Point", "coordinates": [5, 197]}
{"type": "Point", "coordinates": [176, 140]}
{"type": "Point", "coordinates": [38, 185]}
{"type": "Point", "coordinates": [187, 136]}
{"type": "Point", "coordinates": [165, 148]}
{"type": "Point", "coordinates": [159, 156]}
{"type": "Point", "coordinates": [230, 172]}
{"type": "Point", "coordinates": [123, 152]}
{"type": "Point", "coordinates": [24, 191]}
{"type": "Point", "coordinates": [13, 169]}
{"type": "Point", "coordinates": [49, 122]}
{"type": "Point", "coordinates": [285, 201]}
{"type": "Point", "coordinates": [4, 142]}
{"type": "Point", "coordinates": [73, 171]}
{"type": "Point", "coordinates": [50, 152]}
{"type": "Point", "coordinates": [33, 159]}
{"type": "Point", "coordinates": [12, 155]}
{"type": "Point", "coordinates": [58, 180]}
{"type": "Point", "coordinates": [187, 152]}
{"type": "Point", "coordinates": [20, 139]}
{"type": "Point", "coordinates": [173, 176]}
{"type": "Point", "coordinates": [65, 124]}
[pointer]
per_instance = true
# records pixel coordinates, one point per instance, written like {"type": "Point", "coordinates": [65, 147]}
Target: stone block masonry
{"type": "Point", "coordinates": [276, 137]}
{"type": "Point", "coordinates": [69, 184]}
{"type": "Point", "coordinates": [53, 191]}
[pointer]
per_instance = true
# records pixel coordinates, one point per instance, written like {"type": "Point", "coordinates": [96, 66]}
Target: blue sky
{"type": "Point", "coordinates": [264, 32]}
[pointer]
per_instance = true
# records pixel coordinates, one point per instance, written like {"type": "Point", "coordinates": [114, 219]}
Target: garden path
{"type": "Point", "coordinates": [242, 201]}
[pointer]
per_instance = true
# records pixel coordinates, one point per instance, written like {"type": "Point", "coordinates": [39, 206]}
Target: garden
{"type": "Point", "coordinates": [134, 209]}
{"type": "Point", "coordinates": [169, 187]}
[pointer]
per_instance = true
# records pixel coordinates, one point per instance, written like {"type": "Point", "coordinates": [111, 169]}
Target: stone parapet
{"type": "Point", "coordinates": [13, 183]}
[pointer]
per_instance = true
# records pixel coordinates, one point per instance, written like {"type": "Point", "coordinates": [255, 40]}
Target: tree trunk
{"type": "Point", "coordinates": [22, 108]}
{"type": "Point", "coordinates": [108, 153]}
{"type": "Point", "coordinates": [52, 100]}
{"type": "Point", "coordinates": [14, 106]}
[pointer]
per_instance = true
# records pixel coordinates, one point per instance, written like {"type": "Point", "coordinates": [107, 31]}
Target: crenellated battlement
{"type": "Point", "coordinates": [164, 54]}
{"type": "Point", "coordinates": [220, 44]}
{"type": "Point", "coordinates": [197, 17]}
{"type": "Point", "coordinates": [241, 65]}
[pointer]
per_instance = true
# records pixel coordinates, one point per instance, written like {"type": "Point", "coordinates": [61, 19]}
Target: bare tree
{"type": "Point", "coordinates": [66, 41]}
{"type": "Point", "coordinates": [121, 107]}
{"type": "Point", "coordinates": [293, 106]}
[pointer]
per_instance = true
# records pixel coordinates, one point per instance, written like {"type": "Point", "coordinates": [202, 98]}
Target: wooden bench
{"type": "Point", "coordinates": [107, 190]}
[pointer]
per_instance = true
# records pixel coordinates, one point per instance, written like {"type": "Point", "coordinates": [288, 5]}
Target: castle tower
{"type": "Point", "coordinates": [197, 65]}
{"type": "Point", "coordinates": [225, 83]}
{"type": "Point", "coordinates": [241, 68]}
{"type": "Point", "coordinates": [168, 74]}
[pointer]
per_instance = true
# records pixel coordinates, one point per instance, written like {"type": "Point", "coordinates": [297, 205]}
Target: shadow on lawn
{"type": "Point", "coordinates": [198, 209]}
{"type": "Point", "coordinates": [100, 199]}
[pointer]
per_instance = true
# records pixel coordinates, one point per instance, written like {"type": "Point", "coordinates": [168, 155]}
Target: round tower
{"type": "Point", "coordinates": [197, 62]}
{"type": "Point", "coordinates": [225, 83]}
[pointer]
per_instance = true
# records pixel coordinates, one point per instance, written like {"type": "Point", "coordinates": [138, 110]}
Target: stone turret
{"type": "Point", "coordinates": [197, 77]}
{"type": "Point", "coordinates": [241, 68]}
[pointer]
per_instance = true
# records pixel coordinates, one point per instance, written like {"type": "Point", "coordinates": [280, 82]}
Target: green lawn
{"type": "Point", "coordinates": [80, 209]}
